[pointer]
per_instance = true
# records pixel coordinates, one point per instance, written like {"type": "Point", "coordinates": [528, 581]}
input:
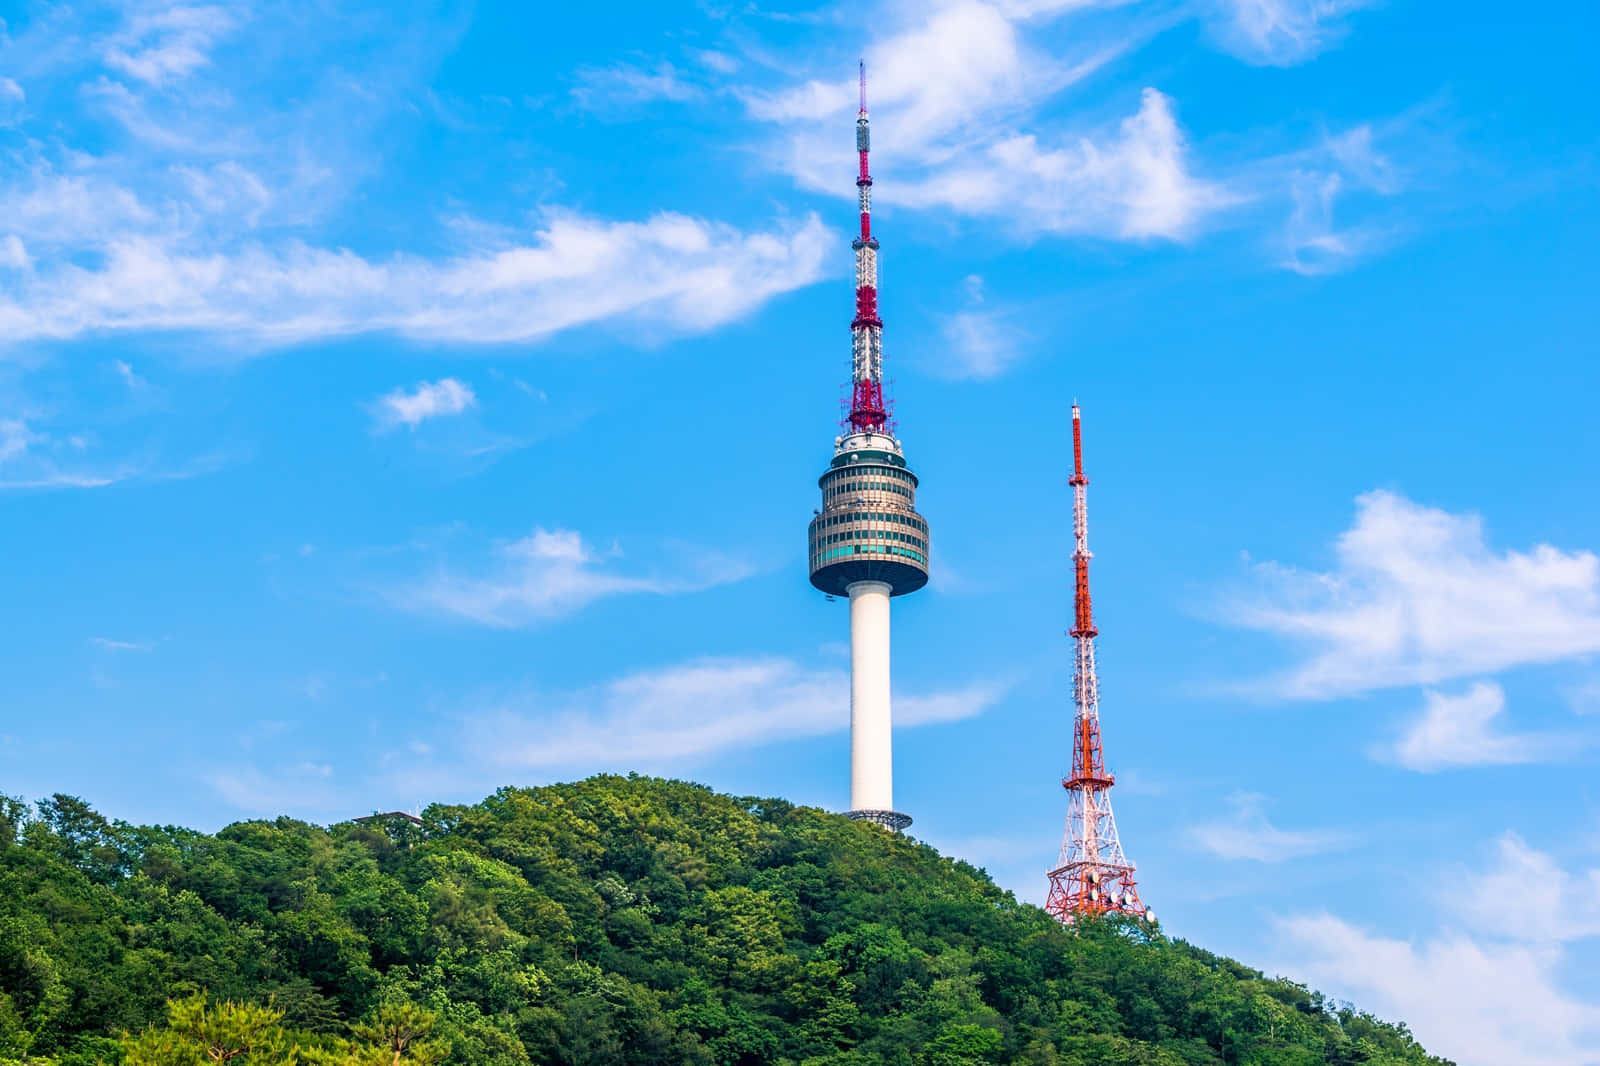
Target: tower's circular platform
{"type": "Point", "coordinates": [868, 528]}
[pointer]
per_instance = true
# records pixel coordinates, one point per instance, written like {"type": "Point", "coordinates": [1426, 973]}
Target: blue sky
{"type": "Point", "coordinates": [399, 401]}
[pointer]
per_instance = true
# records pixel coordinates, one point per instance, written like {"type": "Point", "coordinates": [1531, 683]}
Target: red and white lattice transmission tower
{"type": "Point", "coordinates": [1091, 875]}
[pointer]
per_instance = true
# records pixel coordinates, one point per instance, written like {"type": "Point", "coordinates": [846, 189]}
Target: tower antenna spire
{"type": "Point", "coordinates": [1091, 875]}
{"type": "Point", "coordinates": [868, 412]}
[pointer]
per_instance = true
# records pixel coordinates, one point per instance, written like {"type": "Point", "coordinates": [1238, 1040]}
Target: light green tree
{"type": "Point", "coordinates": [199, 1032]}
{"type": "Point", "coordinates": [396, 1034]}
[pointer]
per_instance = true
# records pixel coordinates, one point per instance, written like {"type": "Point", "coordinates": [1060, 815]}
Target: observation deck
{"type": "Point", "coordinates": [868, 528]}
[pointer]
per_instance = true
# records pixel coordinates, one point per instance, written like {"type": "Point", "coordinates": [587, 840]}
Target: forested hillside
{"type": "Point", "coordinates": [616, 920]}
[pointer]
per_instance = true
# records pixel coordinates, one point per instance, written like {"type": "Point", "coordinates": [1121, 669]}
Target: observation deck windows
{"type": "Point", "coordinates": [849, 550]}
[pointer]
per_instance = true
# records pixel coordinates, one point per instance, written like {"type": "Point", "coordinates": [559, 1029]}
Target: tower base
{"type": "Point", "coordinates": [891, 820]}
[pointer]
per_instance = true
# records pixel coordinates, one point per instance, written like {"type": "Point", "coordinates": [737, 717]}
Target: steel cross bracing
{"type": "Point", "coordinates": [1091, 874]}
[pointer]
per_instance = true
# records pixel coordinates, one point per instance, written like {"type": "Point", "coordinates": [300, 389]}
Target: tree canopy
{"type": "Point", "coordinates": [610, 921]}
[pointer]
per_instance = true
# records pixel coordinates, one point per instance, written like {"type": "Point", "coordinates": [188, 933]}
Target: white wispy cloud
{"type": "Point", "coordinates": [1356, 151]}
{"type": "Point", "coordinates": [122, 645]}
{"type": "Point", "coordinates": [161, 47]}
{"type": "Point", "coordinates": [1524, 894]}
{"type": "Point", "coordinates": [627, 84]}
{"type": "Point", "coordinates": [718, 62]}
{"type": "Point", "coordinates": [1314, 245]}
{"type": "Point", "coordinates": [1584, 697]}
{"type": "Point", "coordinates": [129, 377]}
{"type": "Point", "coordinates": [105, 444]}
{"type": "Point", "coordinates": [64, 479]}
{"type": "Point", "coordinates": [981, 341]}
{"type": "Point", "coordinates": [33, 459]}
{"type": "Point", "coordinates": [672, 271]}
{"type": "Point", "coordinates": [15, 437]}
{"type": "Point", "coordinates": [1464, 730]}
{"type": "Point", "coordinates": [1347, 163]}
{"type": "Point", "coordinates": [14, 254]}
{"type": "Point", "coordinates": [549, 574]}
{"type": "Point", "coordinates": [429, 399]}
{"type": "Point", "coordinates": [1479, 1002]}
{"type": "Point", "coordinates": [1248, 835]}
{"type": "Point", "coordinates": [1417, 596]}
{"type": "Point", "coordinates": [1016, 861]}
{"type": "Point", "coordinates": [1283, 32]}
{"type": "Point", "coordinates": [56, 211]}
{"type": "Point", "coordinates": [306, 788]}
{"type": "Point", "coordinates": [656, 719]}
{"type": "Point", "coordinates": [1486, 989]}
{"type": "Point", "coordinates": [1133, 183]}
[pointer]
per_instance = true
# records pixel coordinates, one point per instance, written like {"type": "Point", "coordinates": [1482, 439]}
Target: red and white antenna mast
{"type": "Point", "coordinates": [1091, 875]}
{"type": "Point", "coordinates": [868, 413]}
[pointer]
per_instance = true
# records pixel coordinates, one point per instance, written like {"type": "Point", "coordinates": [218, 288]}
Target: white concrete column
{"type": "Point", "coordinates": [871, 763]}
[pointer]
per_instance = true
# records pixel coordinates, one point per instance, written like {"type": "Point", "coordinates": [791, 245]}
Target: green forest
{"type": "Point", "coordinates": [625, 920]}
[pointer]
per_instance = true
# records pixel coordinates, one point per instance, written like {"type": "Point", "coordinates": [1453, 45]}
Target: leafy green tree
{"type": "Point", "coordinates": [963, 1045]}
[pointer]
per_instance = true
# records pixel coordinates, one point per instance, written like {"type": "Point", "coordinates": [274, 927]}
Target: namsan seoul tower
{"type": "Point", "coordinates": [868, 542]}
{"type": "Point", "coordinates": [1091, 875]}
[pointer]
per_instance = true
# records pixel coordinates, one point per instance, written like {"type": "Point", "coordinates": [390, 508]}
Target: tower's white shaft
{"type": "Point", "coordinates": [871, 766]}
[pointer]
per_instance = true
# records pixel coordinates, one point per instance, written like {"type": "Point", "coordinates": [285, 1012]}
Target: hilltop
{"type": "Point", "coordinates": [615, 920]}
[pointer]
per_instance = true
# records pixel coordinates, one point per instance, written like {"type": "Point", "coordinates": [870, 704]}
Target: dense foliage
{"type": "Point", "coordinates": [616, 920]}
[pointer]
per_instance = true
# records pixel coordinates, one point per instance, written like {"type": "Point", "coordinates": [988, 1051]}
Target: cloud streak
{"type": "Point", "coordinates": [1282, 32]}
{"type": "Point", "coordinates": [1249, 836]}
{"type": "Point", "coordinates": [33, 459]}
{"type": "Point", "coordinates": [1345, 165]}
{"type": "Point", "coordinates": [623, 87]}
{"type": "Point", "coordinates": [673, 272]}
{"type": "Point", "coordinates": [982, 341]}
{"type": "Point", "coordinates": [121, 645]}
{"type": "Point", "coordinates": [658, 719]}
{"type": "Point", "coordinates": [550, 574]}
{"type": "Point", "coordinates": [162, 47]}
